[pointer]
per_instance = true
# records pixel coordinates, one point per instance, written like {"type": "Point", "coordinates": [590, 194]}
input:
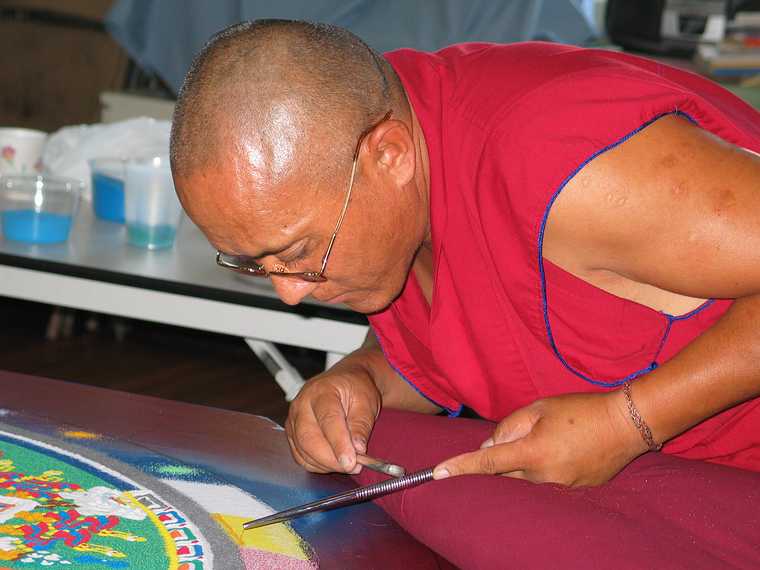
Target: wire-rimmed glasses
{"type": "Point", "coordinates": [249, 266]}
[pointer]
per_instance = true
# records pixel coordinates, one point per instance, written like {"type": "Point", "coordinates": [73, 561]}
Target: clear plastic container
{"type": "Point", "coordinates": [38, 208]}
{"type": "Point", "coordinates": [108, 175]}
{"type": "Point", "coordinates": [152, 209]}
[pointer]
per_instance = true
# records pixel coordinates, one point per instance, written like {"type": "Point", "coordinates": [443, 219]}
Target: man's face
{"type": "Point", "coordinates": [285, 223]}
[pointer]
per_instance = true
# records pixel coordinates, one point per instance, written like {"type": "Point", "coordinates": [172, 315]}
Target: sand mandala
{"type": "Point", "coordinates": [67, 506]}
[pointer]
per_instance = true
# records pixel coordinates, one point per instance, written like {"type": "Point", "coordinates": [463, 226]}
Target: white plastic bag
{"type": "Point", "coordinates": [69, 149]}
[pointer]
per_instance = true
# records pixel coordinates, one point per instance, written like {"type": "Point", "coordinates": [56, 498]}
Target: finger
{"type": "Point", "coordinates": [518, 474]}
{"type": "Point", "coordinates": [495, 460]}
{"type": "Point", "coordinates": [297, 457]}
{"type": "Point", "coordinates": [515, 426]}
{"type": "Point", "coordinates": [360, 419]}
{"type": "Point", "coordinates": [297, 436]}
{"type": "Point", "coordinates": [302, 461]}
{"type": "Point", "coordinates": [307, 439]}
{"type": "Point", "coordinates": [290, 436]}
{"type": "Point", "coordinates": [360, 443]}
{"type": "Point", "coordinates": [331, 419]}
{"type": "Point", "coordinates": [315, 449]}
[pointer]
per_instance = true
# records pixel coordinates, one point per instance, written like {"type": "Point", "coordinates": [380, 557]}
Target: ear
{"type": "Point", "coordinates": [391, 151]}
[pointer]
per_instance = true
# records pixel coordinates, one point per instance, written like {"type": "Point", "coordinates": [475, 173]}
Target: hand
{"type": "Point", "coordinates": [331, 419]}
{"type": "Point", "coordinates": [573, 439]}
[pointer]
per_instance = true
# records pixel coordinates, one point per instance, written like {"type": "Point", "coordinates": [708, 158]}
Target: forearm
{"type": "Point", "coordinates": [395, 392]}
{"type": "Point", "coordinates": [718, 370]}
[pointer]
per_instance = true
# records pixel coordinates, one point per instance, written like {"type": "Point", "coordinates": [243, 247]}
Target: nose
{"type": "Point", "coordinates": [292, 291]}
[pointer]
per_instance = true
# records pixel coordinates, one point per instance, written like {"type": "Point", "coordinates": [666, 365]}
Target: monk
{"type": "Point", "coordinates": [565, 241]}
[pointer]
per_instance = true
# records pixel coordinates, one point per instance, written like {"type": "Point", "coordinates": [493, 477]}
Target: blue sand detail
{"type": "Point", "coordinates": [35, 227]}
{"type": "Point", "coordinates": [108, 197]}
{"type": "Point", "coordinates": [152, 237]}
{"type": "Point", "coordinates": [90, 559]}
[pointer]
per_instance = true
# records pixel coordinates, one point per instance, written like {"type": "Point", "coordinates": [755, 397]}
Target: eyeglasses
{"type": "Point", "coordinates": [249, 266]}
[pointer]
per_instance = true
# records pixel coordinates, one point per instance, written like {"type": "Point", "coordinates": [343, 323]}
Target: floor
{"type": "Point", "coordinates": [144, 358]}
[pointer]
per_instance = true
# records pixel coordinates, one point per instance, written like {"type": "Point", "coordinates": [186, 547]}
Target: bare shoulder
{"type": "Point", "coordinates": [673, 207]}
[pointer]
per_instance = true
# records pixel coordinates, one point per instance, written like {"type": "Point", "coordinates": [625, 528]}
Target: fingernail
{"type": "Point", "coordinates": [357, 469]}
{"type": "Point", "coordinates": [441, 473]}
{"type": "Point", "coordinates": [487, 443]}
{"type": "Point", "coordinates": [360, 445]}
{"type": "Point", "coordinates": [345, 462]}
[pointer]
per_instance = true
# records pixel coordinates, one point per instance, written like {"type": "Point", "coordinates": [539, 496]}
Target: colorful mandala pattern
{"type": "Point", "coordinates": [101, 507]}
{"type": "Point", "coordinates": [78, 513]}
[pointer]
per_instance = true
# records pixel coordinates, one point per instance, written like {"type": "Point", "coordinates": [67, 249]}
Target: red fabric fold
{"type": "Point", "coordinates": [660, 512]}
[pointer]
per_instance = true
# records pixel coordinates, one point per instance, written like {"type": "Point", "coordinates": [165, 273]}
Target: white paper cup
{"type": "Point", "coordinates": [21, 151]}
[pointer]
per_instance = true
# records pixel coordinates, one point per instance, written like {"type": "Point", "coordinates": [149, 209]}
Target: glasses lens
{"type": "Point", "coordinates": [255, 271]}
{"type": "Point", "coordinates": [313, 277]}
{"type": "Point", "coordinates": [310, 276]}
{"type": "Point", "coordinates": [240, 264]}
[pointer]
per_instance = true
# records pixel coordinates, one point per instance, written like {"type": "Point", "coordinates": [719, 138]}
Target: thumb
{"type": "Point", "coordinates": [494, 460]}
{"type": "Point", "coordinates": [360, 419]}
{"type": "Point", "coordinates": [515, 426]}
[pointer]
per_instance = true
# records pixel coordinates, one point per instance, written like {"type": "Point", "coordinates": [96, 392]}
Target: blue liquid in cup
{"type": "Point", "coordinates": [108, 197]}
{"type": "Point", "coordinates": [35, 227]}
{"type": "Point", "coordinates": [152, 237]}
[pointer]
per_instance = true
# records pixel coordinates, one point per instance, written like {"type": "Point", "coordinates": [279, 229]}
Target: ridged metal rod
{"type": "Point", "coordinates": [352, 497]}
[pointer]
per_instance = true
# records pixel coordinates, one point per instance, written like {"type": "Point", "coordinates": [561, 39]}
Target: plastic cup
{"type": "Point", "coordinates": [37, 208]}
{"type": "Point", "coordinates": [152, 209]}
{"type": "Point", "coordinates": [21, 151]}
{"type": "Point", "coordinates": [108, 176]}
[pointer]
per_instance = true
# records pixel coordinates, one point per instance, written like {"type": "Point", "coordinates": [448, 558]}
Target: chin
{"type": "Point", "coordinates": [373, 303]}
{"type": "Point", "coordinates": [370, 301]}
{"type": "Point", "coordinates": [368, 305]}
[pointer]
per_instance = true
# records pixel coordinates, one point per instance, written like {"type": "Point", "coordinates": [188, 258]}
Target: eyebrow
{"type": "Point", "coordinates": [275, 251]}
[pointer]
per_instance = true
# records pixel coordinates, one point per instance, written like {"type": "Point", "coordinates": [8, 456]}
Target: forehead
{"type": "Point", "coordinates": [241, 211]}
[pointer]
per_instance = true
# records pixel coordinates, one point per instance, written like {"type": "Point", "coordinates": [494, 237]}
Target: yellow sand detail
{"type": "Point", "coordinates": [169, 545]}
{"type": "Point", "coordinates": [19, 550]}
{"type": "Point", "coordinates": [73, 434]}
{"type": "Point", "coordinates": [277, 538]}
{"type": "Point", "coordinates": [49, 476]}
{"type": "Point", "coordinates": [123, 535]}
{"type": "Point", "coordinates": [35, 518]}
{"type": "Point", "coordinates": [100, 549]}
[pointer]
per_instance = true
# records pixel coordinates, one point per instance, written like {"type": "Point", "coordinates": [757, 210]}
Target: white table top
{"type": "Point", "coordinates": [98, 250]}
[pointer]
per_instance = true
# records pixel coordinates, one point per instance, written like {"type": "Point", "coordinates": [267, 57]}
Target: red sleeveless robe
{"type": "Point", "coordinates": [507, 126]}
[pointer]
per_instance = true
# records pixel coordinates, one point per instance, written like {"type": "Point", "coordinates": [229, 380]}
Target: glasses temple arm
{"type": "Point", "coordinates": [340, 219]}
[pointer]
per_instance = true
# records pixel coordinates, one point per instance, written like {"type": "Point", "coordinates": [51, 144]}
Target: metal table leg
{"type": "Point", "coordinates": [288, 378]}
{"type": "Point", "coordinates": [331, 358]}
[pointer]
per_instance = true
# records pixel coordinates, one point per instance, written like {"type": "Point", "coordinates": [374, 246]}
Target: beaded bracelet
{"type": "Point", "coordinates": [638, 421]}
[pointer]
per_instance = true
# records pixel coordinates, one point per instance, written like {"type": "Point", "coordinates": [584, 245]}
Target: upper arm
{"type": "Point", "coordinates": [674, 207]}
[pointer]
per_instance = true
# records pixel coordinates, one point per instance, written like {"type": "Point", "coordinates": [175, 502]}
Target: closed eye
{"type": "Point", "coordinates": [293, 258]}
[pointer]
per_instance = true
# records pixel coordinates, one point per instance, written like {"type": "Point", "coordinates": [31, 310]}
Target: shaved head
{"type": "Point", "coordinates": [263, 138]}
{"type": "Point", "coordinates": [284, 95]}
